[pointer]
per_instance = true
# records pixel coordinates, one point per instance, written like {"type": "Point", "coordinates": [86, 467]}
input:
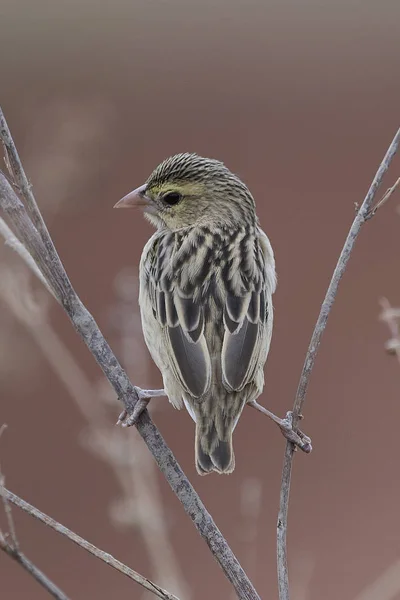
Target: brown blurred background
{"type": "Point", "coordinates": [301, 99]}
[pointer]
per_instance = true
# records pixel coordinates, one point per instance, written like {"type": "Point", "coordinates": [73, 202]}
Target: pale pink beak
{"type": "Point", "coordinates": [135, 199]}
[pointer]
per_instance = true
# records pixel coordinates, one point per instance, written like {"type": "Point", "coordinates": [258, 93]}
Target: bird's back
{"type": "Point", "coordinates": [207, 319]}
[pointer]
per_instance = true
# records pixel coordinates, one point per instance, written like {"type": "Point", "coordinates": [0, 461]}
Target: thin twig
{"type": "Point", "coordinates": [7, 508]}
{"type": "Point", "coordinates": [131, 463]}
{"type": "Point", "coordinates": [10, 521]}
{"type": "Point", "coordinates": [13, 242]}
{"type": "Point", "coordinates": [104, 556]}
{"type": "Point", "coordinates": [10, 545]}
{"type": "Point", "coordinates": [361, 217]}
{"type": "Point", "coordinates": [52, 269]}
{"type": "Point", "coordinates": [383, 200]}
{"type": "Point", "coordinates": [28, 565]}
{"type": "Point", "coordinates": [17, 173]}
{"type": "Point", "coordinates": [142, 503]}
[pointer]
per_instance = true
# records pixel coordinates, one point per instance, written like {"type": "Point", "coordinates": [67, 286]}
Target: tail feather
{"type": "Point", "coordinates": [204, 464]}
{"type": "Point", "coordinates": [216, 417]}
{"type": "Point", "coordinates": [213, 454]}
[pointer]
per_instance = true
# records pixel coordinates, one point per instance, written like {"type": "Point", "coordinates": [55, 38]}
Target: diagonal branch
{"type": "Point", "coordinates": [40, 577]}
{"type": "Point", "coordinates": [13, 242]}
{"type": "Point", "coordinates": [372, 212]}
{"type": "Point", "coordinates": [10, 545]}
{"type": "Point", "coordinates": [35, 238]}
{"type": "Point", "coordinates": [362, 216]}
{"type": "Point", "coordinates": [104, 556]}
{"type": "Point", "coordinates": [24, 187]}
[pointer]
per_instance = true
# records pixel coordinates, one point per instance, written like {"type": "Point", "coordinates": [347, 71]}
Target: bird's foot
{"type": "Point", "coordinates": [292, 434]}
{"type": "Point", "coordinates": [130, 417]}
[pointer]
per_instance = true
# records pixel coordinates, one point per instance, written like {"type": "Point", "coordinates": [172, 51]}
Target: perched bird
{"type": "Point", "coordinates": [206, 282]}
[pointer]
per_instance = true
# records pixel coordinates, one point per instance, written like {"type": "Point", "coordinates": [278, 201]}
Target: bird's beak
{"type": "Point", "coordinates": [135, 199]}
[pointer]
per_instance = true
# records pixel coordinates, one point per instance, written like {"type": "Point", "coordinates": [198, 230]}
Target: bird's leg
{"type": "Point", "coordinates": [128, 418]}
{"type": "Point", "coordinates": [292, 434]}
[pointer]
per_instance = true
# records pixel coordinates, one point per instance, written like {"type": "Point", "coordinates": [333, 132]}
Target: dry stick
{"type": "Point", "coordinates": [23, 185]}
{"type": "Point", "coordinates": [363, 215]}
{"type": "Point", "coordinates": [10, 545]}
{"type": "Point", "coordinates": [12, 241]}
{"type": "Point", "coordinates": [383, 200]}
{"type": "Point", "coordinates": [50, 265]}
{"type": "Point", "coordinates": [104, 556]}
{"type": "Point", "coordinates": [131, 471]}
{"type": "Point", "coordinates": [7, 509]}
{"type": "Point", "coordinates": [28, 565]}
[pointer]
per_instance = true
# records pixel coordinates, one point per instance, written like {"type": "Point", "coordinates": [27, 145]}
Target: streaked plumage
{"type": "Point", "coordinates": [206, 282]}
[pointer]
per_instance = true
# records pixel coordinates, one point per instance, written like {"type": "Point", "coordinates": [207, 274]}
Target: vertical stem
{"type": "Point", "coordinates": [363, 214]}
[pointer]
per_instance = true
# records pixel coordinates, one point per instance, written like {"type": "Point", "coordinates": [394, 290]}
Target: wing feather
{"type": "Point", "coordinates": [226, 310]}
{"type": "Point", "coordinates": [237, 352]}
{"type": "Point", "coordinates": [181, 318]}
{"type": "Point", "coordinates": [192, 361]}
{"type": "Point", "coordinates": [186, 344]}
{"type": "Point", "coordinates": [247, 320]}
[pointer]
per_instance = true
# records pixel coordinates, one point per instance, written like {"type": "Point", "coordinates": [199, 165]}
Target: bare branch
{"type": "Point", "coordinates": [7, 507]}
{"type": "Point", "coordinates": [40, 577]}
{"type": "Point", "coordinates": [13, 242]}
{"type": "Point", "coordinates": [104, 556]}
{"type": "Point", "coordinates": [362, 216]}
{"type": "Point", "coordinates": [10, 545]}
{"type": "Point", "coordinates": [35, 238]}
{"type": "Point", "coordinates": [383, 200]}
{"type": "Point", "coordinates": [141, 505]}
{"type": "Point", "coordinates": [10, 521]}
{"type": "Point", "coordinates": [24, 187]}
{"type": "Point", "coordinates": [12, 534]}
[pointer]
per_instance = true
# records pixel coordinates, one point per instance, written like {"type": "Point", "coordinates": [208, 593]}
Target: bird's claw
{"type": "Point", "coordinates": [130, 416]}
{"type": "Point", "coordinates": [126, 419]}
{"type": "Point", "coordinates": [294, 435]}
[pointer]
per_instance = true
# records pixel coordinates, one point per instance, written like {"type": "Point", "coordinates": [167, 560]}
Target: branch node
{"type": "Point", "coordinates": [295, 435]}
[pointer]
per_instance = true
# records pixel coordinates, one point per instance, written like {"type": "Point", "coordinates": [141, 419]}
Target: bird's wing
{"type": "Point", "coordinates": [249, 285]}
{"type": "Point", "coordinates": [184, 331]}
{"type": "Point", "coordinates": [179, 312]}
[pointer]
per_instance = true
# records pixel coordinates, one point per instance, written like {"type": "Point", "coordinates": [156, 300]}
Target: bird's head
{"type": "Point", "coordinates": [187, 190]}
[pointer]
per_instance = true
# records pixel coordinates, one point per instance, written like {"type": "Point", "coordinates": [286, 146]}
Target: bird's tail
{"type": "Point", "coordinates": [214, 449]}
{"type": "Point", "coordinates": [220, 459]}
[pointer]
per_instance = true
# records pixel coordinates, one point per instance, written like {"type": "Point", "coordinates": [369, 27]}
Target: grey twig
{"type": "Point", "coordinates": [22, 184]}
{"type": "Point", "coordinates": [7, 508]}
{"type": "Point", "coordinates": [10, 545]}
{"type": "Point", "coordinates": [104, 556]}
{"type": "Point", "coordinates": [372, 212]}
{"type": "Point", "coordinates": [13, 242]}
{"type": "Point", "coordinates": [363, 214]}
{"type": "Point", "coordinates": [40, 577]}
{"type": "Point", "coordinates": [36, 239]}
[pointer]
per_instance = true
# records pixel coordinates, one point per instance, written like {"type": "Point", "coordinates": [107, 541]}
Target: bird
{"type": "Point", "coordinates": [207, 276]}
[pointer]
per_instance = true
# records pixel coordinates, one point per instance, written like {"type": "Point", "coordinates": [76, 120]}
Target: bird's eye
{"type": "Point", "coordinates": [172, 198]}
